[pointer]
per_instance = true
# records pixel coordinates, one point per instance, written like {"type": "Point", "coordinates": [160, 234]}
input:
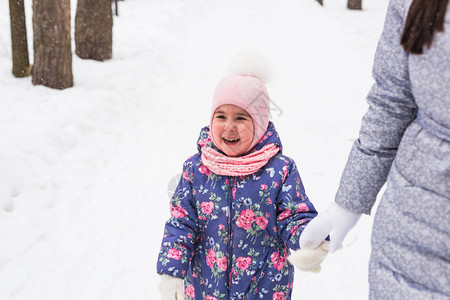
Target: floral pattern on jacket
{"type": "Point", "coordinates": [229, 237]}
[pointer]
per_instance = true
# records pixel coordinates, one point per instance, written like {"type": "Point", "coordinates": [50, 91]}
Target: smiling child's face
{"type": "Point", "coordinates": [232, 129]}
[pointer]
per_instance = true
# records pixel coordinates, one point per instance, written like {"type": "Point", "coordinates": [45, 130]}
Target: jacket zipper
{"type": "Point", "coordinates": [230, 232]}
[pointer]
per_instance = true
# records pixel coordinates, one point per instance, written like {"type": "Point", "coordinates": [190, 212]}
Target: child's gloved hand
{"type": "Point", "coordinates": [171, 288]}
{"type": "Point", "coordinates": [309, 259]}
{"type": "Point", "coordinates": [335, 219]}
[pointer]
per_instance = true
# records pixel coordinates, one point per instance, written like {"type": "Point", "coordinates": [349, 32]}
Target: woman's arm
{"type": "Point", "coordinates": [391, 109]}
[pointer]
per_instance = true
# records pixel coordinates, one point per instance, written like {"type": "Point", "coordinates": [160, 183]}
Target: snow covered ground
{"type": "Point", "coordinates": [85, 172]}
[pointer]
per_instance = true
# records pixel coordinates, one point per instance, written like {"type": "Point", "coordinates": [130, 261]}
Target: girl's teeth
{"type": "Point", "coordinates": [230, 140]}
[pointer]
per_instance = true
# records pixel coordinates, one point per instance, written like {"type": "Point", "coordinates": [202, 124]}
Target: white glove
{"type": "Point", "coordinates": [171, 288]}
{"type": "Point", "coordinates": [309, 259]}
{"type": "Point", "coordinates": [335, 219]}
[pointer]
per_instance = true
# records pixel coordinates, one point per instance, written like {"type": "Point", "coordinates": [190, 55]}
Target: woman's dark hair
{"type": "Point", "coordinates": [425, 17]}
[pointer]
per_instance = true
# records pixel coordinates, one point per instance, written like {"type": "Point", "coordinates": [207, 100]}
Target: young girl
{"type": "Point", "coordinates": [238, 208]}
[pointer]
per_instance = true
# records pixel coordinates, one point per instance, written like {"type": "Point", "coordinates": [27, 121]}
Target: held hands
{"type": "Point", "coordinates": [335, 219]}
{"type": "Point", "coordinates": [171, 288]}
{"type": "Point", "coordinates": [313, 247]}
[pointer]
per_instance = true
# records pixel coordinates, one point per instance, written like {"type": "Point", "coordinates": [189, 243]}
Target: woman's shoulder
{"type": "Point", "coordinates": [399, 8]}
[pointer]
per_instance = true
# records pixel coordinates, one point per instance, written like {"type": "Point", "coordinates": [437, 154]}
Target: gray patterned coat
{"type": "Point", "coordinates": [404, 141]}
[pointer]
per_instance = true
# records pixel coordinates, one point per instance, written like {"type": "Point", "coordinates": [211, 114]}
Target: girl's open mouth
{"type": "Point", "coordinates": [231, 141]}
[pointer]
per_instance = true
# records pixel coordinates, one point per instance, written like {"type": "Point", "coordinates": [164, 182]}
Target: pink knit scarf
{"type": "Point", "coordinates": [221, 164]}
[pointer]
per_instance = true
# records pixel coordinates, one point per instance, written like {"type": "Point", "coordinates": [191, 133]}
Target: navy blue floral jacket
{"type": "Point", "coordinates": [229, 237]}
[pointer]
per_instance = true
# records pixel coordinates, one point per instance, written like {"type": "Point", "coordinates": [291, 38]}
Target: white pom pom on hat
{"type": "Point", "coordinates": [245, 88]}
{"type": "Point", "coordinates": [251, 63]}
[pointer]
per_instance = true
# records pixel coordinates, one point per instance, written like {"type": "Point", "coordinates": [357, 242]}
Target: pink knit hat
{"type": "Point", "coordinates": [248, 93]}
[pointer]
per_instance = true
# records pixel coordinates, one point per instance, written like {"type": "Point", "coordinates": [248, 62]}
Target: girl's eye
{"type": "Point", "coordinates": [241, 118]}
{"type": "Point", "coordinates": [220, 117]}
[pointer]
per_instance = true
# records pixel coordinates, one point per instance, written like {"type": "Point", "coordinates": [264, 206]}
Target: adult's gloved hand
{"type": "Point", "coordinates": [171, 288]}
{"type": "Point", "coordinates": [335, 220]}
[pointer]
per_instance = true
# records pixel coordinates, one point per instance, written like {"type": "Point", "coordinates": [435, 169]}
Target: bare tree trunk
{"type": "Point", "coordinates": [21, 63]}
{"type": "Point", "coordinates": [354, 4]}
{"type": "Point", "coordinates": [52, 44]}
{"type": "Point", "coordinates": [93, 29]}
